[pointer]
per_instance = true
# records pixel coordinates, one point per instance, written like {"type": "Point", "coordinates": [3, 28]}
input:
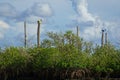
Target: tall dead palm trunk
{"type": "Point", "coordinates": [25, 35]}
{"type": "Point", "coordinates": [38, 33]}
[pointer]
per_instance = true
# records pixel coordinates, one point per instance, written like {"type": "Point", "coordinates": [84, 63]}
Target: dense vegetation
{"type": "Point", "coordinates": [61, 55]}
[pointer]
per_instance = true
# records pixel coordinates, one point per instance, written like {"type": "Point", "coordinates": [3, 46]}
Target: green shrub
{"type": "Point", "coordinates": [13, 61]}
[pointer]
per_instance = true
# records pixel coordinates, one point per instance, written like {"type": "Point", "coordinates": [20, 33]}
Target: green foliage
{"type": "Point", "coordinates": [62, 41]}
{"type": "Point", "coordinates": [13, 61]}
{"type": "Point", "coordinates": [105, 59]}
{"type": "Point", "coordinates": [60, 51]}
{"type": "Point", "coordinates": [46, 58]}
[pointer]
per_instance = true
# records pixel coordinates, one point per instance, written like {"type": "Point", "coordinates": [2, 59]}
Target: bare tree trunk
{"type": "Point", "coordinates": [77, 38]}
{"type": "Point", "coordinates": [77, 31]}
{"type": "Point", "coordinates": [102, 39]}
{"type": "Point", "coordinates": [106, 39]}
{"type": "Point", "coordinates": [38, 34]}
{"type": "Point", "coordinates": [25, 35]}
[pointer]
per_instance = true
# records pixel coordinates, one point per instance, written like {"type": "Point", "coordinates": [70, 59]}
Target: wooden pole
{"type": "Point", "coordinates": [102, 39]}
{"type": "Point", "coordinates": [77, 31]}
{"type": "Point", "coordinates": [25, 35]}
{"type": "Point", "coordinates": [38, 33]}
{"type": "Point", "coordinates": [78, 43]}
{"type": "Point", "coordinates": [106, 40]}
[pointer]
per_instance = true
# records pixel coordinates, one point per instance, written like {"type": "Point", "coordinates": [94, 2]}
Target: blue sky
{"type": "Point", "coordinates": [58, 15]}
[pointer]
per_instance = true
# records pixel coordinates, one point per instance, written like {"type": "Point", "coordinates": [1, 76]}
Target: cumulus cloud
{"type": "Point", "coordinates": [91, 22]}
{"type": "Point", "coordinates": [18, 28]}
{"type": "Point", "coordinates": [40, 10]}
{"type": "Point", "coordinates": [92, 31]}
{"type": "Point", "coordinates": [3, 27]}
{"type": "Point", "coordinates": [36, 12]}
{"type": "Point", "coordinates": [33, 19]}
{"type": "Point", "coordinates": [81, 7]}
{"type": "Point", "coordinates": [7, 10]}
{"type": "Point", "coordinates": [31, 15]}
{"type": "Point", "coordinates": [15, 34]}
{"type": "Point", "coordinates": [31, 29]}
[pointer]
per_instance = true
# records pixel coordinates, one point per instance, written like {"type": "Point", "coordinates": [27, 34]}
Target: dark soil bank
{"type": "Point", "coordinates": [63, 74]}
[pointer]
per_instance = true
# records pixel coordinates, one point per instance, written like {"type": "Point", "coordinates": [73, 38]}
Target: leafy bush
{"type": "Point", "coordinates": [46, 58]}
{"type": "Point", "coordinates": [13, 61]}
{"type": "Point", "coordinates": [59, 51]}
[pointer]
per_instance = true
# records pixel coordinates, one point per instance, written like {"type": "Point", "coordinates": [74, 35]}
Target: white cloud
{"type": "Point", "coordinates": [1, 36]}
{"type": "Point", "coordinates": [83, 16]}
{"type": "Point", "coordinates": [18, 29]}
{"type": "Point", "coordinates": [93, 32]}
{"type": "Point", "coordinates": [41, 10]}
{"type": "Point", "coordinates": [3, 27]}
{"type": "Point", "coordinates": [81, 8]}
{"type": "Point", "coordinates": [36, 12]}
{"type": "Point", "coordinates": [113, 30]}
{"type": "Point", "coordinates": [31, 28]}
{"type": "Point", "coordinates": [16, 33]}
{"type": "Point", "coordinates": [33, 19]}
{"type": "Point", "coordinates": [7, 10]}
